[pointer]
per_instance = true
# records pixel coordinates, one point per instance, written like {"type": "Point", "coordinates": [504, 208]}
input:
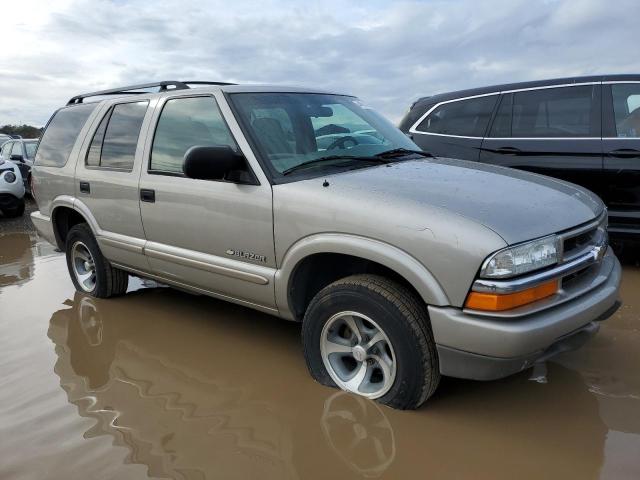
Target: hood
{"type": "Point", "coordinates": [516, 205]}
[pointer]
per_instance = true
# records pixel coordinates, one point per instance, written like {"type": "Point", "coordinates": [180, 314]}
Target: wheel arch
{"type": "Point", "coordinates": [337, 256]}
{"type": "Point", "coordinates": [66, 212]}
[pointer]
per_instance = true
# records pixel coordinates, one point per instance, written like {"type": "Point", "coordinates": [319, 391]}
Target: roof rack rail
{"type": "Point", "coordinates": [135, 89]}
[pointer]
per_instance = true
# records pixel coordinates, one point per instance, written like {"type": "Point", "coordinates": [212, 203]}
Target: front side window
{"type": "Point", "coordinates": [61, 134]}
{"type": "Point", "coordinates": [17, 149]}
{"type": "Point", "coordinates": [185, 123]}
{"type": "Point", "coordinates": [552, 112]}
{"type": "Point", "coordinates": [626, 107]}
{"type": "Point", "coordinates": [465, 118]}
{"type": "Point", "coordinates": [115, 141]}
{"type": "Point", "coordinates": [292, 129]}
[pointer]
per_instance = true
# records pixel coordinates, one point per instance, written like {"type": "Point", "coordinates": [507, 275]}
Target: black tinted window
{"type": "Point", "coordinates": [502, 122]}
{"type": "Point", "coordinates": [121, 135]}
{"type": "Point", "coordinates": [626, 106]}
{"type": "Point", "coordinates": [552, 112]}
{"type": "Point", "coordinates": [60, 135]}
{"type": "Point", "coordinates": [467, 118]}
{"type": "Point", "coordinates": [184, 123]}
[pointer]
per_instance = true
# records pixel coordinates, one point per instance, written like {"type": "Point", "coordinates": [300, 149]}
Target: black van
{"type": "Point", "coordinates": [585, 130]}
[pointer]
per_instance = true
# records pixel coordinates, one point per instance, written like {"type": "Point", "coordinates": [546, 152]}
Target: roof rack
{"type": "Point", "coordinates": [135, 89]}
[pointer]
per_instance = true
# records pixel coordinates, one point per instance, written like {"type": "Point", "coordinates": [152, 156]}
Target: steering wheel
{"type": "Point", "coordinates": [340, 142]}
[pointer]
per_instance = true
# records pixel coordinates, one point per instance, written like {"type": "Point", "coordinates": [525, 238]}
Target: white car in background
{"type": "Point", "coordinates": [11, 189]}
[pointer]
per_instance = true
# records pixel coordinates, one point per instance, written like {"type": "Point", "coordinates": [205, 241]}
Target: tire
{"type": "Point", "coordinates": [16, 211]}
{"type": "Point", "coordinates": [412, 372]}
{"type": "Point", "coordinates": [102, 279]}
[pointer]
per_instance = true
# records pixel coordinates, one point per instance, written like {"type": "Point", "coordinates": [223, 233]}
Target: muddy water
{"type": "Point", "coordinates": [163, 384]}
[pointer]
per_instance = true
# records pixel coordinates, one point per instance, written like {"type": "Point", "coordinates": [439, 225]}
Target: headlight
{"type": "Point", "coordinates": [10, 177]}
{"type": "Point", "coordinates": [523, 258]}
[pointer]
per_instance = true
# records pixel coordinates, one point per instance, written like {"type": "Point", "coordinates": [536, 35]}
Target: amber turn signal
{"type": "Point", "coordinates": [494, 302]}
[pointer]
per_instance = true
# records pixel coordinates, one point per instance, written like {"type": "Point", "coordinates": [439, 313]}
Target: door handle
{"type": "Point", "coordinates": [508, 151]}
{"type": "Point", "coordinates": [624, 153]}
{"type": "Point", "coordinates": [85, 187]}
{"type": "Point", "coordinates": [147, 195]}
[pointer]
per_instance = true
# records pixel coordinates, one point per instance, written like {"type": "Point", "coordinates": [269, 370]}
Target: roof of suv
{"type": "Point", "coordinates": [169, 87]}
{"type": "Point", "coordinates": [524, 85]}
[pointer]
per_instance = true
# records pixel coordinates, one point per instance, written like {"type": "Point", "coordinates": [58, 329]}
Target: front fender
{"type": "Point", "coordinates": [374, 250]}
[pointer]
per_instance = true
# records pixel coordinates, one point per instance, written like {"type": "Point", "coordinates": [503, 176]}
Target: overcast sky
{"type": "Point", "coordinates": [388, 53]}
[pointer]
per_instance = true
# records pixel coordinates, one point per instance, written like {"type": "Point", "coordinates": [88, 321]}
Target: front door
{"type": "Point", "coordinates": [621, 149]}
{"type": "Point", "coordinates": [552, 131]}
{"type": "Point", "coordinates": [214, 235]}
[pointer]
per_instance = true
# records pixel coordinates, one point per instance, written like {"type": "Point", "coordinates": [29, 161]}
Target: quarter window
{"type": "Point", "coordinates": [626, 107]}
{"type": "Point", "coordinates": [465, 118]}
{"type": "Point", "coordinates": [184, 123]}
{"type": "Point", "coordinates": [61, 134]}
{"type": "Point", "coordinates": [548, 112]}
{"type": "Point", "coordinates": [116, 139]}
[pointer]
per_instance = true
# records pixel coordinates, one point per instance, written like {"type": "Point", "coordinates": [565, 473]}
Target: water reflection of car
{"type": "Point", "coordinates": [21, 152]}
{"type": "Point", "coordinates": [16, 259]}
{"type": "Point", "coordinates": [176, 413]}
{"type": "Point", "coordinates": [160, 383]}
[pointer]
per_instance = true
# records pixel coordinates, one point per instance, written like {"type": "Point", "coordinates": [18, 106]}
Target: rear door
{"type": "Point", "coordinates": [554, 131]}
{"type": "Point", "coordinates": [214, 235]}
{"type": "Point", "coordinates": [454, 128]}
{"type": "Point", "coordinates": [107, 175]}
{"type": "Point", "coordinates": [621, 148]}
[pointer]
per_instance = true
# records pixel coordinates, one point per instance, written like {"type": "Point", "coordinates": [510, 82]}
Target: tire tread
{"type": "Point", "coordinates": [417, 317]}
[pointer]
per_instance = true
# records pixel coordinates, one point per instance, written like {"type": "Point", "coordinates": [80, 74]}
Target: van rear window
{"type": "Point", "coordinates": [61, 134]}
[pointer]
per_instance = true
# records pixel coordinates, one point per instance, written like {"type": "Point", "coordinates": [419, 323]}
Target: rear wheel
{"type": "Point", "coordinates": [90, 272]}
{"type": "Point", "coordinates": [371, 336]}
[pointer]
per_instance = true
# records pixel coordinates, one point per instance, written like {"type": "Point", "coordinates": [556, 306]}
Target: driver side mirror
{"type": "Point", "coordinates": [217, 163]}
{"type": "Point", "coordinates": [17, 158]}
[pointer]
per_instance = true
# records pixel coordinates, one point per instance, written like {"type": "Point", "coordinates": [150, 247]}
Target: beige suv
{"type": "Point", "coordinates": [310, 206]}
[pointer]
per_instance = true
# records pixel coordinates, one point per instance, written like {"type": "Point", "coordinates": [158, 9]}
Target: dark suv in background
{"type": "Point", "coordinates": [585, 130]}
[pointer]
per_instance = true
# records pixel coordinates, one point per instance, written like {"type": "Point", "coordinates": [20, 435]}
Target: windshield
{"type": "Point", "coordinates": [290, 129]}
{"type": "Point", "coordinates": [31, 149]}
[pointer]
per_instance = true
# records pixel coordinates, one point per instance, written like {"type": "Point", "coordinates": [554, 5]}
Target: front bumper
{"type": "Point", "coordinates": [485, 348]}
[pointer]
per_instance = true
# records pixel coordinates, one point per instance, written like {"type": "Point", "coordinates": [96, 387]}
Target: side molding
{"type": "Point", "coordinates": [391, 257]}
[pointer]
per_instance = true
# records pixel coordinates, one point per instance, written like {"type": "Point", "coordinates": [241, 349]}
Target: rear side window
{"type": "Point", "coordinates": [626, 107]}
{"type": "Point", "coordinates": [61, 134]}
{"type": "Point", "coordinates": [31, 148]}
{"type": "Point", "coordinates": [465, 118]}
{"type": "Point", "coordinates": [116, 139]}
{"type": "Point", "coordinates": [548, 112]}
{"type": "Point", "coordinates": [184, 123]}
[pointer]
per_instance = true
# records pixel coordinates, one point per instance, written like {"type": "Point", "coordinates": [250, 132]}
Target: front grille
{"type": "Point", "coordinates": [579, 242]}
{"type": "Point", "coordinates": [583, 239]}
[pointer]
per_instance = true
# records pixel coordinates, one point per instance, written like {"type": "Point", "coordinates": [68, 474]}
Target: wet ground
{"type": "Point", "coordinates": [160, 383]}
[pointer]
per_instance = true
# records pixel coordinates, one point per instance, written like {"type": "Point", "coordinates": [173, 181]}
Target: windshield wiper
{"type": "Point", "coordinates": [399, 152]}
{"type": "Point", "coordinates": [328, 158]}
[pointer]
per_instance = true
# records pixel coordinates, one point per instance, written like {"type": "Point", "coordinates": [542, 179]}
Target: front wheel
{"type": "Point", "coordinates": [15, 211]}
{"type": "Point", "coordinates": [90, 272]}
{"type": "Point", "coordinates": [371, 336]}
